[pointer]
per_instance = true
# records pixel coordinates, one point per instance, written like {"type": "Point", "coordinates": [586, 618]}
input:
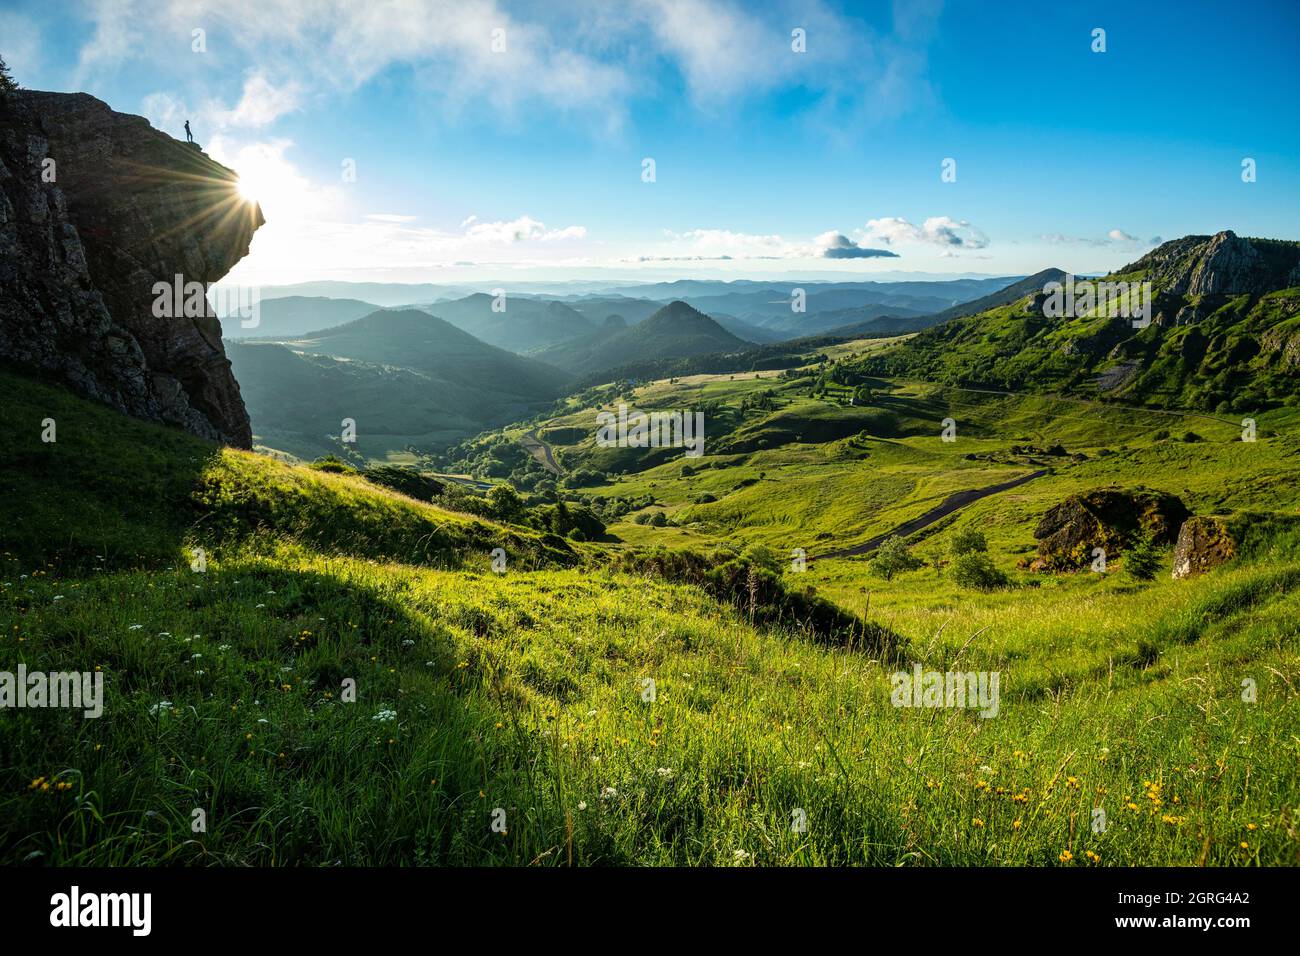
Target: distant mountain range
{"type": "Point", "coordinates": [514, 322]}
{"type": "Point", "coordinates": [296, 315]}
{"type": "Point", "coordinates": [674, 331]}
{"type": "Point", "coordinates": [873, 322]}
{"type": "Point", "coordinates": [405, 376]}
{"type": "Point", "coordinates": [529, 322]}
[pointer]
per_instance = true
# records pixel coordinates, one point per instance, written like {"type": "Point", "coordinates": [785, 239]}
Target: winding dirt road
{"type": "Point", "coordinates": [954, 502]}
{"type": "Point", "coordinates": [534, 445]}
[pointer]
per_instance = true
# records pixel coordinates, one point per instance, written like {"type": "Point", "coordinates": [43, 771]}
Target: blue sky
{"type": "Point", "coordinates": [473, 162]}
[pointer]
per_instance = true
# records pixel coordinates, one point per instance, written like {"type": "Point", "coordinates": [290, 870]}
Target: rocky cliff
{"type": "Point", "coordinates": [96, 207]}
{"type": "Point", "coordinates": [1222, 264]}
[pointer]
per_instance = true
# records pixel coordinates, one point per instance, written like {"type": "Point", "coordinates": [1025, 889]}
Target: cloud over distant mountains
{"type": "Point", "coordinates": [836, 245]}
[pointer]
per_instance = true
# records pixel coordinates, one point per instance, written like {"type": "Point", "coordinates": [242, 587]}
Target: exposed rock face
{"type": "Point", "coordinates": [1104, 518]}
{"type": "Point", "coordinates": [1222, 264]}
{"type": "Point", "coordinates": [1204, 542]}
{"type": "Point", "coordinates": [79, 257]}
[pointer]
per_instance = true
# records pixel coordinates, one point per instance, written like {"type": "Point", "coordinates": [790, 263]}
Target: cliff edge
{"type": "Point", "coordinates": [96, 208]}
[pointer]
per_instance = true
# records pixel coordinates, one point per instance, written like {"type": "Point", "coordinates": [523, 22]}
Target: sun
{"type": "Point", "coordinates": [248, 190]}
{"type": "Point", "coordinates": [269, 180]}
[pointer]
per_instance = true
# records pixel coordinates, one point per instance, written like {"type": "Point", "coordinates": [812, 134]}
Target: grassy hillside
{"type": "Point", "coordinates": [525, 697]}
{"type": "Point", "coordinates": [1224, 336]}
{"type": "Point", "coordinates": [892, 323]}
{"type": "Point", "coordinates": [112, 492]}
{"type": "Point", "coordinates": [297, 402]}
{"type": "Point", "coordinates": [404, 376]}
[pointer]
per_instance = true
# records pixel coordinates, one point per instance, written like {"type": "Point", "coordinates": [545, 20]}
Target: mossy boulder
{"type": "Point", "coordinates": [1204, 543]}
{"type": "Point", "coordinates": [1106, 518]}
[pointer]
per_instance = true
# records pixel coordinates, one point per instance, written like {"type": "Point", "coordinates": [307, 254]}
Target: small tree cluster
{"type": "Point", "coordinates": [7, 84]}
{"type": "Point", "coordinates": [893, 557]}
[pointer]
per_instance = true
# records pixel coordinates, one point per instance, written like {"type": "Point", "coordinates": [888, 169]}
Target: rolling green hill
{"type": "Point", "coordinates": [675, 331]}
{"type": "Point", "coordinates": [410, 338]}
{"type": "Point", "coordinates": [523, 324]}
{"type": "Point", "coordinates": [405, 377]}
{"type": "Point", "coordinates": [894, 323]}
{"type": "Point", "coordinates": [628, 711]}
{"type": "Point", "coordinates": [297, 401]}
{"type": "Point", "coordinates": [296, 315]}
{"type": "Point", "coordinates": [1224, 336]}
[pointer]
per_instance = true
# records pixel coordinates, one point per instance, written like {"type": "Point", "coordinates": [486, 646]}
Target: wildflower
{"type": "Point", "coordinates": [385, 715]}
{"type": "Point", "coordinates": [977, 823]}
{"type": "Point", "coordinates": [1015, 824]}
{"type": "Point", "coordinates": [582, 804]}
{"type": "Point", "coordinates": [664, 772]}
{"type": "Point", "coordinates": [608, 793]}
{"type": "Point", "coordinates": [160, 706]}
{"type": "Point", "coordinates": [1251, 826]}
{"type": "Point", "coordinates": [1245, 845]}
{"type": "Point", "coordinates": [1092, 857]}
{"type": "Point", "coordinates": [740, 855]}
{"type": "Point", "coordinates": [1066, 856]}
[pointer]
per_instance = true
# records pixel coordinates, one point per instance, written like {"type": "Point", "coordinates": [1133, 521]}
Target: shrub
{"type": "Point", "coordinates": [408, 481]}
{"type": "Point", "coordinates": [893, 557]}
{"type": "Point", "coordinates": [333, 464]}
{"type": "Point", "coordinates": [506, 504]}
{"type": "Point", "coordinates": [1142, 560]}
{"type": "Point", "coordinates": [968, 540]}
{"type": "Point", "coordinates": [976, 570]}
{"type": "Point", "coordinates": [764, 597]}
{"type": "Point", "coordinates": [7, 83]}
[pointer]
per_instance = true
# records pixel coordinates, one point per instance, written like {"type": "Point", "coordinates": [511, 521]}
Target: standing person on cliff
{"type": "Point", "coordinates": [189, 137]}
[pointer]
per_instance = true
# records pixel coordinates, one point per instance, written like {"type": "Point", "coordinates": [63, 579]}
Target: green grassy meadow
{"type": "Point", "coordinates": [567, 713]}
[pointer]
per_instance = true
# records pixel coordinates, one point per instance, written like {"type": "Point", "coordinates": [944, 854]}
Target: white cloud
{"type": "Point", "coordinates": [113, 39]}
{"type": "Point", "coordinates": [586, 61]}
{"type": "Point", "coordinates": [836, 245]}
{"type": "Point", "coordinates": [937, 230]}
{"type": "Point", "coordinates": [516, 230]}
{"type": "Point", "coordinates": [721, 49]}
{"type": "Point", "coordinates": [1115, 237]}
{"type": "Point", "coordinates": [724, 244]}
{"type": "Point", "coordinates": [165, 111]}
{"type": "Point", "coordinates": [262, 103]}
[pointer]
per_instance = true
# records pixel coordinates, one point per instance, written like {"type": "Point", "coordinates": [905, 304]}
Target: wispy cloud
{"type": "Point", "coordinates": [937, 231]}
{"type": "Point", "coordinates": [1115, 238]}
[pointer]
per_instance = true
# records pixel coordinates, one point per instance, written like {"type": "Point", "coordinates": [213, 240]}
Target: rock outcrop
{"type": "Point", "coordinates": [1222, 264]}
{"type": "Point", "coordinates": [96, 207]}
{"type": "Point", "coordinates": [1204, 543]}
{"type": "Point", "coordinates": [1104, 518]}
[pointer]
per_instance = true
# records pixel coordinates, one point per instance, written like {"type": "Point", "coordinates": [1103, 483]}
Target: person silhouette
{"type": "Point", "coordinates": [189, 137]}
